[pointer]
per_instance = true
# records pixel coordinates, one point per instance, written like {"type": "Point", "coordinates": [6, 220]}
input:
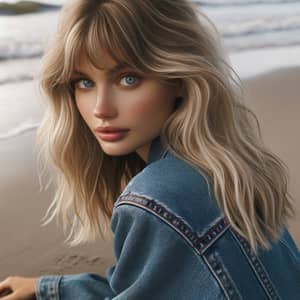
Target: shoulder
{"type": "Point", "coordinates": [172, 187]}
{"type": "Point", "coordinates": [168, 175]}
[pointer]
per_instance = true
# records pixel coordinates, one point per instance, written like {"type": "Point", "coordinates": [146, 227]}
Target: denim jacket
{"type": "Point", "coordinates": [171, 242]}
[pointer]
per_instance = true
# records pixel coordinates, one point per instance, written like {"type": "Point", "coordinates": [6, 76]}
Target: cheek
{"type": "Point", "coordinates": [152, 105]}
{"type": "Point", "coordinates": [145, 107]}
{"type": "Point", "coordinates": [85, 110]}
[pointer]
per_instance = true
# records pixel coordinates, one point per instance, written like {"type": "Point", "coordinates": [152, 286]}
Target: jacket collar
{"type": "Point", "coordinates": [157, 151]}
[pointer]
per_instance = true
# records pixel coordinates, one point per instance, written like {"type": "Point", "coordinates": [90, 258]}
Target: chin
{"type": "Point", "coordinates": [115, 150]}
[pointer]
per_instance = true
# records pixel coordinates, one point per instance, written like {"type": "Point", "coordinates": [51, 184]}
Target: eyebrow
{"type": "Point", "coordinates": [110, 72]}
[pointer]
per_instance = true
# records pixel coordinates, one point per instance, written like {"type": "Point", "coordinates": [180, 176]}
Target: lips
{"type": "Point", "coordinates": [112, 136]}
{"type": "Point", "coordinates": [110, 130]}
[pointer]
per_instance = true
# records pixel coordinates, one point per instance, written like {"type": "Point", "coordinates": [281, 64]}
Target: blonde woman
{"type": "Point", "coordinates": [148, 134]}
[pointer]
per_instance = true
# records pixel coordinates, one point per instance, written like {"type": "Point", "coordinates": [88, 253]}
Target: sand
{"type": "Point", "coordinates": [27, 249]}
{"type": "Point", "coordinates": [274, 97]}
{"type": "Point", "coordinates": [30, 249]}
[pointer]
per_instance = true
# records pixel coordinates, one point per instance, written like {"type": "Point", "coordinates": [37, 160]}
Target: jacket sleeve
{"type": "Point", "coordinates": [152, 262]}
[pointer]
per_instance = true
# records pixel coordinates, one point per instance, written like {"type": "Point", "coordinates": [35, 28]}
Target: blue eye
{"type": "Point", "coordinates": [85, 83]}
{"type": "Point", "coordinates": [82, 83]}
{"type": "Point", "coordinates": [130, 79]}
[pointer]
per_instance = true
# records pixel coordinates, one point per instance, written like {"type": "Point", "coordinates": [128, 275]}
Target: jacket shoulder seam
{"type": "Point", "coordinates": [200, 243]}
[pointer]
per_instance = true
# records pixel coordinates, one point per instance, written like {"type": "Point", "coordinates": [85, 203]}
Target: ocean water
{"type": "Point", "coordinates": [243, 24]}
{"type": "Point", "coordinates": [246, 26]}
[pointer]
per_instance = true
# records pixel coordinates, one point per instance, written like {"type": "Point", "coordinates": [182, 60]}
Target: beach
{"type": "Point", "coordinates": [264, 49]}
{"type": "Point", "coordinates": [274, 97]}
{"type": "Point", "coordinates": [29, 249]}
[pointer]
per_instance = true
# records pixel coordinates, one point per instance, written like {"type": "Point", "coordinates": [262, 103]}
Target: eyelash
{"type": "Point", "coordinates": [75, 81]}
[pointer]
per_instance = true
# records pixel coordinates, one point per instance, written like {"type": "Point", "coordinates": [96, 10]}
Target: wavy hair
{"type": "Point", "coordinates": [211, 128]}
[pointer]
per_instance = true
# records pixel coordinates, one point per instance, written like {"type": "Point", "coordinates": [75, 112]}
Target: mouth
{"type": "Point", "coordinates": [112, 136]}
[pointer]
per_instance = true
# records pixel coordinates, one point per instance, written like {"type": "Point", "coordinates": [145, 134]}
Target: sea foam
{"type": "Point", "coordinates": [19, 130]}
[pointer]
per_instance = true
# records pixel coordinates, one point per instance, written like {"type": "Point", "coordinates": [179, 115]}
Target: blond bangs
{"type": "Point", "coordinates": [88, 38]}
{"type": "Point", "coordinates": [99, 38]}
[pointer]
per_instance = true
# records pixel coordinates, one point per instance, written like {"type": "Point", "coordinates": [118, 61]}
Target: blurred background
{"type": "Point", "coordinates": [262, 38]}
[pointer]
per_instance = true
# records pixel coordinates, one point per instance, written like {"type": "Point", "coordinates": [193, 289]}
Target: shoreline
{"type": "Point", "coordinates": [267, 60]}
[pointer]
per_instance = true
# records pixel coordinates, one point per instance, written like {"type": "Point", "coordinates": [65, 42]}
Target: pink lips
{"type": "Point", "coordinates": [112, 136]}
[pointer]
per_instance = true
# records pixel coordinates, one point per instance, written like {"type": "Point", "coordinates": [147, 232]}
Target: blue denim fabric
{"type": "Point", "coordinates": [172, 242]}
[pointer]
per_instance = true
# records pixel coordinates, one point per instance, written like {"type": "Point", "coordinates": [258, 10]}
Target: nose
{"type": "Point", "coordinates": [104, 107]}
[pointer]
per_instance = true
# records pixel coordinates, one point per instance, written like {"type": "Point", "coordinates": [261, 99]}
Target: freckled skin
{"type": "Point", "coordinates": [141, 106]}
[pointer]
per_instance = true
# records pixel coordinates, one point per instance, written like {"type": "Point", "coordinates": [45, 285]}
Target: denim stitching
{"type": "Point", "coordinates": [222, 276]}
{"type": "Point", "coordinates": [175, 221]}
{"type": "Point", "coordinates": [257, 266]}
{"type": "Point", "coordinates": [200, 244]}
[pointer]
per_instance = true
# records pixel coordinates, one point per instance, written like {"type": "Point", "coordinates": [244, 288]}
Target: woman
{"type": "Point", "coordinates": [197, 204]}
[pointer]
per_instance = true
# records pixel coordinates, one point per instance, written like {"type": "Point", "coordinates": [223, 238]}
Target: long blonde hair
{"type": "Point", "coordinates": [211, 129]}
